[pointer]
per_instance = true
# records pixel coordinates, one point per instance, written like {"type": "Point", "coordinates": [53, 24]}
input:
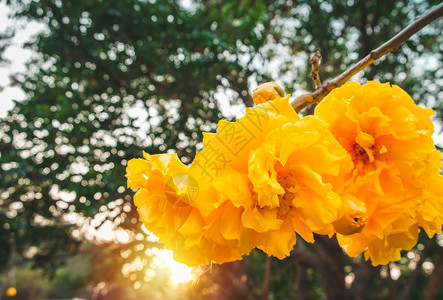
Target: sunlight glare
{"type": "Point", "coordinates": [180, 273]}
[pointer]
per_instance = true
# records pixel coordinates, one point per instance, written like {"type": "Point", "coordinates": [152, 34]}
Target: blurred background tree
{"type": "Point", "coordinates": [112, 78]}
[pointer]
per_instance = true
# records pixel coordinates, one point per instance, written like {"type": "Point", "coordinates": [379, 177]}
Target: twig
{"type": "Point", "coordinates": [389, 46]}
{"type": "Point", "coordinates": [315, 61]}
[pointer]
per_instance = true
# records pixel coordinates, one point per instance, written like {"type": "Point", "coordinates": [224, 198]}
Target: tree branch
{"type": "Point", "coordinates": [430, 245]}
{"type": "Point", "coordinates": [242, 93]}
{"type": "Point", "coordinates": [389, 46]}
{"type": "Point", "coordinates": [303, 256]}
{"type": "Point", "coordinates": [315, 61]}
{"type": "Point", "coordinates": [364, 272]}
{"type": "Point", "coordinates": [392, 291]}
{"type": "Point", "coordinates": [267, 279]}
{"type": "Point", "coordinates": [331, 267]}
{"type": "Point", "coordinates": [300, 283]}
{"type": "Point", "coordinates": [435, 279]}
{"type": "Point", "coordinates": [365, 38]}
{"type": "Point", "coordinates": [9, 270]}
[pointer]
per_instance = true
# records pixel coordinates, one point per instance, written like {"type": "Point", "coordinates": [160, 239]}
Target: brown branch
{"type": "Point", "coordinates": [365, 38]}
{"type": "Point", "coordinates": [303, 256]}
{"type": "Point", "coordinates": [392, 291]}
{"type": "Point", "coordinates": [10, 267]}
{"type": "Point", "coordinates": [331, 267]}
{"type": "Point", "coordinates": [379, 286]}
{"type": "Point", "coordinates": [242, 93]}
{"type": "Point", "coordinates": [364, 273]}
{"type": "Point", "coordinates": [389, 46]}
{"type": "Point", "coordinates": [435, 279]}
{"type": "Point", "coordinates": [315, 61]}
{"type": "Point", "coordinates": [376, 15]}
{"type": "Point", "coordinates": [267, 279]}
{"type": "Point", "coordinates": [300, 283]}
{"type": "Point", "coordinates": [431, 244]}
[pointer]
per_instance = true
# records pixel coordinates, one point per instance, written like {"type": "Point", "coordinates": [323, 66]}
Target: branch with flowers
{"type": "Point", "coordinates": [362, 172]}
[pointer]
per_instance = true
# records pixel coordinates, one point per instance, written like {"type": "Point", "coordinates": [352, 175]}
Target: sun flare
{"type": "Point", "coordinates": [180, 273]}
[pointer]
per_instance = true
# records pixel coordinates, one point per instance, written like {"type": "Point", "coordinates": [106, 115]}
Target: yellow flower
{"type": "Point", "coordinates": [177, 203]}
{"type": "Point", "coordinates": [388, 231]}
{"type": "Point", "coordinates": [389, 140]}
{"type": "Point", "coordinates": [221, 169]}
{"type": "Point", "coordinates": [275, 174]}
{"type": "Point", "coordinates": [231, 145]}
{"type": "Point", "coordinates": [294, 173]}
{"type": "Point", "coordinates": [243, 224]}
{"type": "Point", "coordinates": [375, 123]}
{"type": "Point", "coordinates": [430, 209]}
{"type": "Point", "coordinates": [363, 167]}
{"type": "Point", "coordinates": [166, 201]}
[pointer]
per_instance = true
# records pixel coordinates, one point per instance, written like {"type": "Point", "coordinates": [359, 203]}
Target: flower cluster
{"type": "Point", "coordinates": [396, 170]}
{"type": "Point", "coordinates": [363, 167]}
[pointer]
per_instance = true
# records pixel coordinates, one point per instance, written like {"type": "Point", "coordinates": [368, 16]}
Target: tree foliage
{"type": "Point", "coordinates": [113, 78]}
